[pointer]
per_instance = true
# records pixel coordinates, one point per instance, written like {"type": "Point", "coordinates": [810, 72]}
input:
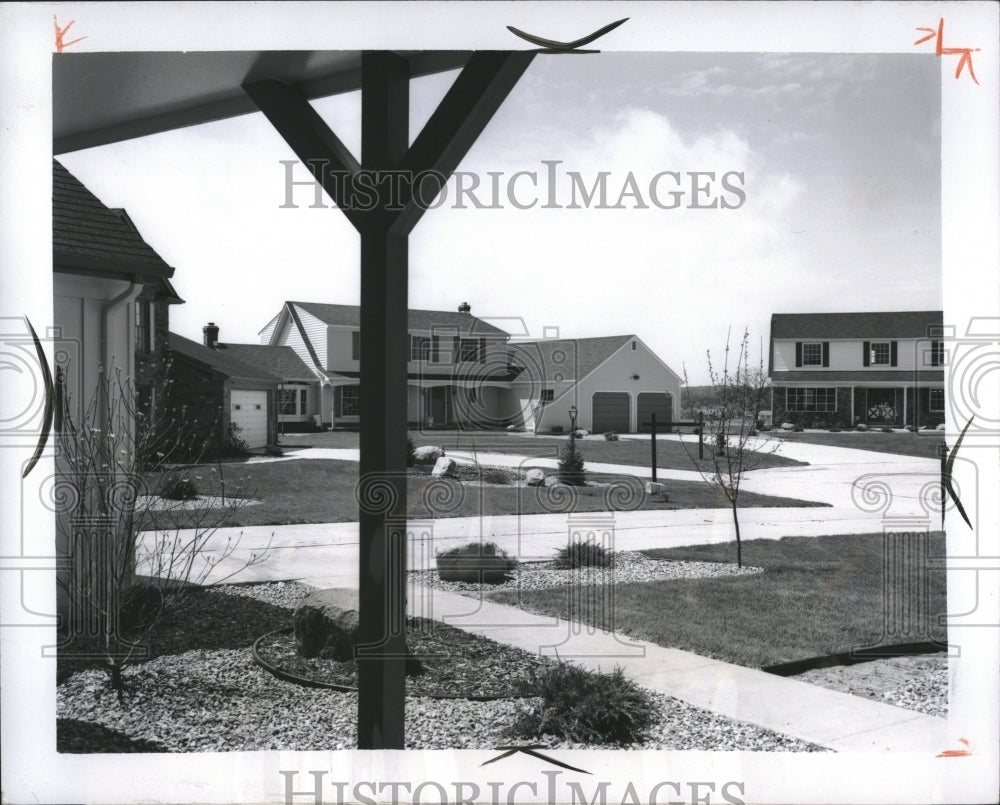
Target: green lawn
{"type": "Point", "coordinates": [923, 444]}
{"type": "Point", "coordinates": [816, 596]}
{"type": "Point", "coordinates": [635, 452]}
{"type": "Point", "coordinates": [323, 491]}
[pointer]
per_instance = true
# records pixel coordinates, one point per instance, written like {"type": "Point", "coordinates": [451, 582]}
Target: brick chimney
{"type": "Point", "coordinates": [464, 307]}
{"type": "Point", "coordinates": [211, 334]}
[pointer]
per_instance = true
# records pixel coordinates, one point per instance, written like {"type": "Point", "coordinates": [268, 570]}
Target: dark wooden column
{"type": "Point", "coordinates": [463, 113]}
{"type": "Point", "coordinates": [385, 111]}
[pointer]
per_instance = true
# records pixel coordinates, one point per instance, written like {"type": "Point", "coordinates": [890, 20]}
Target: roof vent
{"type": "Point", "coordinates": [211, 334]}
{"type": "Point", "coordinates": [464, 307]}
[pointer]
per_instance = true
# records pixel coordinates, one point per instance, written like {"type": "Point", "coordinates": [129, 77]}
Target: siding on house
{"type": "Point", "coordinates": [847, 354]}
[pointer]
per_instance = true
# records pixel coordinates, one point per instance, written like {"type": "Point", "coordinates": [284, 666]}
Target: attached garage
{"type": "Point", "coordinates": [248, 410]}
{"type": "Point", "coordinates": [652, 402]}
{"type": "Point", "coordinates": [611, 410]}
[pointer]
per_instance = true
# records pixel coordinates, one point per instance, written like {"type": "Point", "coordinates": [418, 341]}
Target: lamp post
{"type": "Point", "coordinates": [572, 421]}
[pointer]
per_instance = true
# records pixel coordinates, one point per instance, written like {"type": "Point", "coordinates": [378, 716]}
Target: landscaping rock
{"type": "Point", "coordinates": [655, 488]}
{"type": "Point", "coordinates": [514, 429]}
{"type": "Point", "coordinates": [940, 427]}
{"type": "Point", "coordinates": [444, 467]}
{"type": "Point", "coordinates": [427, 454]}
{"type": "Point", "coordinates": [862, 426]}
{"type": "Point", "coordinates": [553, 480]}
{"type": "Point", "coordinates": [787, 426]}
{"type": "Point", "coordinates": [326, 621]}
{"type": "Point", "coordinates": [326, 624]}
{"type": "Point", "coordinates": [534, 477]}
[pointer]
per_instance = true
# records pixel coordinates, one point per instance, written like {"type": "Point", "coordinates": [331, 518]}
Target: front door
{"type": "Point", "coordinates": [881, 407]}
{"type": "Point", "coordinates": [439, 404]}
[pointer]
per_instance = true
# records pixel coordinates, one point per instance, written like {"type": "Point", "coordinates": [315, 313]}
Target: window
{"type": "Point", "coordinates": [292, 402]}
{"type": "Point", "coordinates": [548, 395]}
{"type": "Point", "coordinates": [468, 350]}
{"type": "Point", "coordinates": [355, 346]}
{"type": "Point", "coordinates": [935, 400]}
{"type": "Point", "coordinates": [937, 353]}
{"type": "Point", "coordinates": [880, 353]}
{"type": "Point", "coordinates": [817, 399]}
{"type": "Point", "coordinates": [350, 401]}
{"type": "Point", "coordinates": [420, 348]}
{"type": "Point", "coordinates": [812, 354]}
{"type": "Point", "coordinates": [633, 346]}
{"type": "Point", "coordinates": [143, 325]}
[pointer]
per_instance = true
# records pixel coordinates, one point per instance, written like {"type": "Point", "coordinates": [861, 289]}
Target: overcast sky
{"type": "Point", "coordinates": [840, 156]}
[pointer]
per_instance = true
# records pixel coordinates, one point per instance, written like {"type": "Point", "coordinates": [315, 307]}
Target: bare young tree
{"type": "Point", "coordinates": [130, 548]}
{"type": "Point", "coordinates": [739, 393]}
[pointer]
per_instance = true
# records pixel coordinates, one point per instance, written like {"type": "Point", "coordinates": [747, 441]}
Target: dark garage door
{"type": "Point", "coordinates": [611, 410]}
{"type": "Point", "coordinates": [653, 402]}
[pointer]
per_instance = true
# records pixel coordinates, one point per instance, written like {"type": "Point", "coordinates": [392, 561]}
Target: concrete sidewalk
{"type": "Point", "coordinates": [829, 718]}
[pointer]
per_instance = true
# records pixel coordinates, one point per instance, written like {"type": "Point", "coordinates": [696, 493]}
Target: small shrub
{"type": "Point", "coordinates": [611, 436]}
{"type": "Point", "coordinates": [475, 562]}
{"type": "Point", "coordinates": [584, 554]}
{"type": "Point", "coordinates": [834, 430]}
{"type": "Point", "coordinates": [176, 487]}
{"type": "Point", "coordinates": [571, 470]}
{"type": "Point", "coordinates": [585, 707]}
{"type": "Point", "coordinates": [798, 429]}
{"type": "Point", "coordinates": [411, 457]}
{"type": "Point", "coordinates": [557, 428]}
{"type": "Point", "coordinates": [497, 475]}
{"type": "Point", "coordinates": [233, 446]}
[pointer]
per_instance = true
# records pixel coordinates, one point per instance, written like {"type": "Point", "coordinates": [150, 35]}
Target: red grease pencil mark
{"type": "Point", "coordinates": [941, 50]}
{"type": "Point", "coordinates": [60, 32]}
{"type": "Point", "coordinates": [958, 752]}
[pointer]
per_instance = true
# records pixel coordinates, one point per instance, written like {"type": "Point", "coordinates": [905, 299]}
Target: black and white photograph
{"type": "Point", "coordinates": [484, 402]}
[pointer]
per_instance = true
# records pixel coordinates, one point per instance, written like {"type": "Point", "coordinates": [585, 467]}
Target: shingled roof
{"type": "Point", "coordinates": [417, 320]}
{"type": "Point", "coordinates": [89, 236]}
{"type": "Point", "coordinates": [280, 361]}
{"type": "Point", "coordinates": [904, 324]}
{"type": "Point", "coordinates": [219, 360]}
{"type": "Point", "coordinates": [573, 358]}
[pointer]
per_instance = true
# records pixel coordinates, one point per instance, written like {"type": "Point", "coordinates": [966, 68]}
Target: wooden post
{"type": "Point", "coordinates": [652, 440]}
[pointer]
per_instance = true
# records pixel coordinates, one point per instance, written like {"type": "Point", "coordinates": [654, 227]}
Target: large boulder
{"type": "Point", "coordinates": [788, 426]}
{"type": "Point", "coordinates": [553, 480]}
{"type": "Point", "coordinates": [444, 467]}
{"type": "Point", "coordinates": [534, 477]}
{"type": "Point", "coordinates": [427, 454]}
{"type": "Point", "coordinates": [326, 622]}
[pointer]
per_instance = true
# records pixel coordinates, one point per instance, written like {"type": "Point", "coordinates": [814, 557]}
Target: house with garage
{"type": "Point", "coordinates": [466, 372]}
{"type": "Point", "coordinates": [614, 382]}
{"type": "Point", "coordinates": [222, 391]}
{"type": "Point", "coordinates": [457, 366]}
{"type": "Point", "coordinates": [845, 369]}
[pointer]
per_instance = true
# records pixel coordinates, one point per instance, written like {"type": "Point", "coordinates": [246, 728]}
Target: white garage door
{"type": "Point", "coordinates": [248, 409]}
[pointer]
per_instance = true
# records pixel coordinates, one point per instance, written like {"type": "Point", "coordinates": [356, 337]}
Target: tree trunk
{"type": "Point", "coordinates": [739, 545]}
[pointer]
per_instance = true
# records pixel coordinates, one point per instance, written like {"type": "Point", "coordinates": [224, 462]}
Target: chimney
{"type": "Point", "coordinates": [464, 307]}
{"type": "Point", "coordinates": [211, 334]}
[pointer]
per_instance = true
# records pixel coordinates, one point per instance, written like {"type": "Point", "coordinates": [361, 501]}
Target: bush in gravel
{"type": "Point", "coordinates": [497, 475]}
{"type": "Point", "coordinates": [583, 554]}
{"type": "Point", "coordinates": [176, 487]}
{"type": "Point", "coordinates": [585, 707]}
{"type": "Point", "coordinates": [475, 562]}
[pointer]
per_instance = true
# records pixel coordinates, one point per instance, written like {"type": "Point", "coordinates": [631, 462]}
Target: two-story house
{"type": "Point", "coordinates": [465, 371]}
{"type": "Point", "coordinates": [845, 369]}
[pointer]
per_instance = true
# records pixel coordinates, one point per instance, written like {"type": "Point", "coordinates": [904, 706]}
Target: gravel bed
{"type": "Point", "coordinates": [630, 566]}
{"type": "Point", "coordinates": [153, 503]}
{"type": "Point", "coordinates": [918, 683]}
{"type": "Point", "coordinates": [212, 698]}
{"type": "Point", "coordinates": [220, 701]}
